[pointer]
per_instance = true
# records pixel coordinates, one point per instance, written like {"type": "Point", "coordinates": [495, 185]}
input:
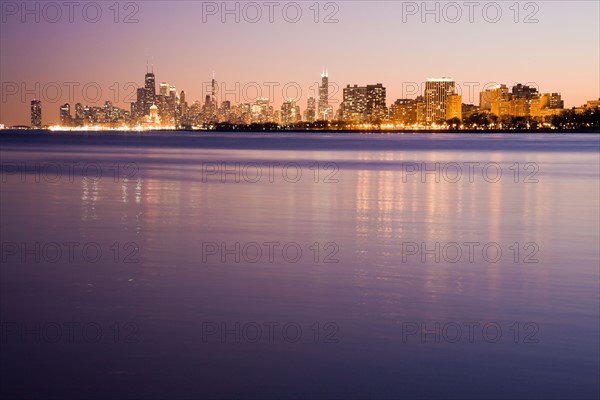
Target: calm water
{"type": "Point", "coordinates": [288, 266]}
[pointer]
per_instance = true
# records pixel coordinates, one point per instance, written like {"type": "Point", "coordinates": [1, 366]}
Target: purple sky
{"type": "Point", "coordinates": [371, 42]}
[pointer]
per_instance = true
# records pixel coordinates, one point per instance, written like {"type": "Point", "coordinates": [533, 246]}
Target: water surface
{"type": "Point", "coordinates": [367, 290]}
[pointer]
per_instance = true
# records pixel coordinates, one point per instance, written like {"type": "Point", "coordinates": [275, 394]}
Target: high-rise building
{"type": "Point", "coordinates": [454, 107]}
{"type": "Point", "coordinates": [376, 103]}
{"type": "Point", "coordinates": [354, 104]}
{"type": "Point", "coordinates": [164, 89]}
{"type": "Point", "coordinates": [140, 104]}
{"type": "Point", "coordinates": [80, 114]}
{"type": "Point", "coordinates": [65, 115]}
{"type": "Point", "coordinates": [436, 93]}
{"type": "Point", "coordinates": [150, 92]}
{"type": "Point", "coordinates": [36, 114]}
{"type": "Point", "coordinates": [310, 115]}
{"type": "Point", "coordinates": [364, 103]}
{"type": "Point", "coordinates": [325, 110]}
{"type": "Point", "coordinates": [289, 112]}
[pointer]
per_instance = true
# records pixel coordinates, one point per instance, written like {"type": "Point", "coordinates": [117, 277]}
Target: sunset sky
{"type": "Point", "coordinates": [371, 42]}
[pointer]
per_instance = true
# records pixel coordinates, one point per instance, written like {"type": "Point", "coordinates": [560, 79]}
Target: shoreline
{"type": "Point", "coordinates": [315, 131]}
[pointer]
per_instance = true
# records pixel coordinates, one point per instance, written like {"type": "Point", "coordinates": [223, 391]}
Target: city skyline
{"type": "Point", "coordinates": [440, 102]}
{"type": "Point", "coordinates": [393, 45]}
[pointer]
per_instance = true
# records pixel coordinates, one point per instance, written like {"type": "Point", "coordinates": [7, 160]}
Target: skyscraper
{"type": "Point", "coordinates": [289, 112]}
{"type": "Point", "coordinates": [65, 115]}
{"type": "Point", "coordinates": [325, 110]}
{"type": "Point", "coordinates": [164, 89]}
{"type": "Point", "coordinates": [150, 92]}
{"type": "Point", "coordinates": [376, 103]}
{"type": "Point", "coordinates": [36, 114]}
{"type": "Point", "coordinates": [436, 94]}
{"type": "Point", "coordinates": [310, 115]}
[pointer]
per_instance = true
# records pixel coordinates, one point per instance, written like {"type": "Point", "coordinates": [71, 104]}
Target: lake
{"type": "Point", "coordinates": [221, 265]}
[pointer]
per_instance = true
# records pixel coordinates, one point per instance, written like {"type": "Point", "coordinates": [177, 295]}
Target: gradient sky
{"type": "Point", "coordinates": [370, 43]}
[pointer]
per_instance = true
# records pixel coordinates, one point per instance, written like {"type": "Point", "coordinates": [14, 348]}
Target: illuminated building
{"type": "Point", "coordinates": [36, 114]}
{"type": "Point", "coordinates": [65, 115]}
{"type": "Point", "coordinates": [454, 107]}
{"type": "Point", "coordinates": [364, 103]}
{"type": "Point", "coordinates": [404, 111]}
{"type": "Point", "coordinates": [421, 110]}
{"type": "Point", "coordinates": [354, 104]}
{"type": "Point", "coordinates": [325, 110]}
{"type": "Point", "coordinates": [310, 115]}
{"type": "Point", "coordinates": [520, 91]}
{"type": "Point", "coordinates": [164, 89]}
{"type": "Point", "coordinates": [261, 111]}
{"type": "Point", "coordinates": [436, 93]}
{"type": "Point", "coordinates": [376, 103]}
{"type": "Point", "coordinates": [289, 112]}
{"type": "Point", "coordinates": [140, 104]}
{"type": "Point", "coordinates": [80, 114]}
{"type": "Point", "coordinates": [153, 118]}
{"type": "Point", "coordinates": [150, 92]}
{"type": "Point", "coordinates": [546, 105]}
{"type": "Point", "coordinates": [497, 93]}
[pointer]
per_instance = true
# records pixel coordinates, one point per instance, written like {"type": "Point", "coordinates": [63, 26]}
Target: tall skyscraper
{"type": "Point", "coordinates": [150, 92]}
{"type": "Point", "coordinates": [213, 91]}
{"type": "Point", "coordinates": [36, 114]}
{"type": "Point", "coordinates": [325, 110]}
{"type": "Point", "coordinates": [436, 94]}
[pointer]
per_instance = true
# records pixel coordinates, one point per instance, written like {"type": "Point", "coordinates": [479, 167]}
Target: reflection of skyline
{"type": "Point", "coordinates": [369, 213]}
{"type": "Point", "coordinates": [390, 212]}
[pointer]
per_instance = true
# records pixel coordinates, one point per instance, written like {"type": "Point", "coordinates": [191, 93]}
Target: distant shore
{"type": "Point", "coordinates": [313, 131]}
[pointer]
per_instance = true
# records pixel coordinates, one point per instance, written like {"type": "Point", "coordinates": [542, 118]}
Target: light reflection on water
{"type": "Point", "coordinates": [170, 207]}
